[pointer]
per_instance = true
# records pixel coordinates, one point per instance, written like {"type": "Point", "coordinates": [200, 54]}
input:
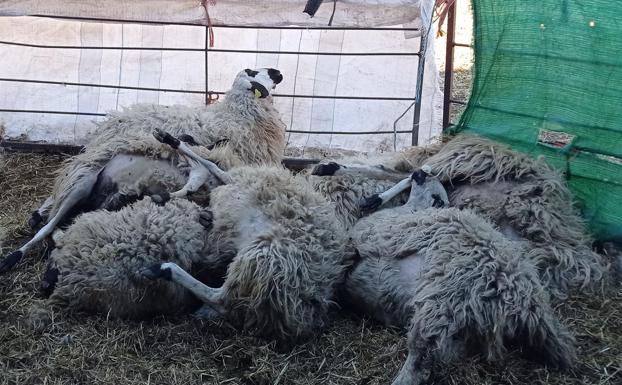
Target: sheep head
{"type": "Point", "coordinates": [260, 81]}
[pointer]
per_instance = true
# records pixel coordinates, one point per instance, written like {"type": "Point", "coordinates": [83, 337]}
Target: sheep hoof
{"type": "Point", "coordinates": [166, 138]}
{"type": "Point", "coordinates": [206, 219]}
{"type": "Point", "coordinates": [326, 169]}
{"type": "Point", "coordinates": [161, 198]}
{"type": "Point", "coordinates": [419, 176]}
{"type": "Point", "coordinates": [35, 220]}
{"type": "Point", "coordinates": [188, 139]}
{"type": "Point", "coordinates": [10, 260]}
{"type": "Point", "coordinates": [370, 203]}
{"type": "Point", "coordinates": [438, 201]}
{"type": "Point", "coordinates": [48, 283]}
{"type": "Point", "coordinates": [156, 272]}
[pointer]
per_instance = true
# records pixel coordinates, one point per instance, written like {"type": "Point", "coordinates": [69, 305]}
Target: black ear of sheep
{"type": "Point", "coordinates": [258, 87]}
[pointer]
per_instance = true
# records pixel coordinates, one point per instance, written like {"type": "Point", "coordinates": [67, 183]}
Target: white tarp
{"type": "Point", "coordinates": [360, 13]}
{"type": "Point", "coordinates": [304, 74]}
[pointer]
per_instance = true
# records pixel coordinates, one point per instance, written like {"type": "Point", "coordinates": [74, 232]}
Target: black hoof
{"type": "Point", "coordinates": [419, 176]}
{"type": "Point", "coordinates": [48, 283]}
{"type": "Point", "coordinates": [156, 272]}
{"type": "Point", "coordinates": [370, 203]}
{"type": "Point", "coordinates": [35, 220]}
{"type": "Point", "coordinates": [166, 138]}
{"type": "Point", "coordinates": [188, 139]}
{"type": "Point", "coordinates": [160, 198]}
{"type": "Point", "coordinates": [438, 202]}
{"type": "Point", "coordinates": [326, 169]}
{"type": "Point", "coordinates": [206, 219]}
{"type": "Point", "coordinates": [10, 260]}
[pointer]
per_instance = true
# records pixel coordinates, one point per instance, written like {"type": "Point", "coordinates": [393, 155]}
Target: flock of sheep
{"type": "Point", "coordinates": [467, 244]}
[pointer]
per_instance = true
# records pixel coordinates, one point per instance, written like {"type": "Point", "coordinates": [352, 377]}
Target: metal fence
{"type": "Point", "coordinates": [209, 93]}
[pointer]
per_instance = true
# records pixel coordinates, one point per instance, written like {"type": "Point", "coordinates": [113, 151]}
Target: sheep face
{"type": "Point", "coordinates": [260, 81]}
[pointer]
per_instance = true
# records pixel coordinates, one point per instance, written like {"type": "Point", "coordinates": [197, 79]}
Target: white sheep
{"type": "Point", "coordinates": [279, 240]}
{"type": "Point", "coordinates": [97, 265]}
{"type": "Point", "coordinates": [454, 280]}
{"type": "Point", "coordinates": [124, 162]}
{"type": "Point", "coordinates": [523, 196]}
{"type": "Point", "coordinates": [286, 248]}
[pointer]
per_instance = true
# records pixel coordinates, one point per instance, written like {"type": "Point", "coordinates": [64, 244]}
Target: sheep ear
{"type": "Point", "coordinates": [259, 90]}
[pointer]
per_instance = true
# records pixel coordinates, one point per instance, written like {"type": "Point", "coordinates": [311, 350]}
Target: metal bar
{"type": "Point", "coordinates": [449, 64]}
{"type": "Point", "coordinates": [380, 98]}
{"type": "Point", "coordinates": [121, 48]}
{"type": "Point", "coordinates": [462, 44]}
{"type": "Point", "coordinates": [52, 112]}
{"type": "Point", "coordinates": [315, 53]}
{"type": "Point", "coordinates": [419, 87]}
{"type": "Point", "coordinates": [206, 63]}
{"type": "Point", "coordinates": [457, 102]}
{"type": "Point", "coordinates": [291, 163]}
{"type": "Point", "coordinates": [201, 24]}
{"type": "Point", "coordinates": [101, 85]}
{"type": "Point", "coordinates": [250, 51]}
{"type": "Point", "coordinates": [384, 98]}
{"type": "Point", "coordinates": [349, 132]}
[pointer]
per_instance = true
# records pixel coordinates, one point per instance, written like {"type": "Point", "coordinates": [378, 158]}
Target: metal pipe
{"type": "Point", "coordinates": [250, 51]}
{"type": "Point", "coordinates": [77, 84]}
{"type": "Point", "coordinates": [449, 63]}
{"type": "Point", "coordinates": [206, 64]}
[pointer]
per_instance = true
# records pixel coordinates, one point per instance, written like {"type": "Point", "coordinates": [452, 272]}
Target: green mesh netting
{"type": "Point", "coordinates": [548, 80]}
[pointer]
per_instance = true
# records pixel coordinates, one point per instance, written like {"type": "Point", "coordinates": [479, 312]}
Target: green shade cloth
{"type": "Point", "coordinates": [555, 66]}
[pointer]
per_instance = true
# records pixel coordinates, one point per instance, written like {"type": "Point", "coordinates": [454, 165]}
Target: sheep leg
{"type": "Point", "coordinates": [197, 178]}
{"type": "Point", "coordinates": [40, 215]}
{"type": "Point", "coordinates": [377, 200]}
{"type": "Point", "coordinates": [172, 272]}
{"type": "Point", "coordinates": [365, 171]}
{"type": "Point", "coordinates": [184, 149]}
{"type": "Point", "coordinates": [79, 193]}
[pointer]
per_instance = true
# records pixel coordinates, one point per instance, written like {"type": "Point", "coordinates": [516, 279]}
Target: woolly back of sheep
{"type": "Point", "coordinates": [531, 197]}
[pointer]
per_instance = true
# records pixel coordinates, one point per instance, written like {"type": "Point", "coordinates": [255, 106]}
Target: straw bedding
{"type": "Point", "coordinates": [78, 348]}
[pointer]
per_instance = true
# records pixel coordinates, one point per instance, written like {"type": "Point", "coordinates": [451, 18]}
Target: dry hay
{"type": "Point", "coordinates": [85, 349]}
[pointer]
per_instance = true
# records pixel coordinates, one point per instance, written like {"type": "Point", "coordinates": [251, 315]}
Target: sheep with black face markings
{"type": "Point", "coordinates": [123, 161]}
{"type": "Point", "coordinates": [454, 280]}
{"type": "Point", "coordinates": [279, 241]}
{"type": "Point", "coordinates": [285, 249]}
{"type": "Point", "coordinates": [522, 196]}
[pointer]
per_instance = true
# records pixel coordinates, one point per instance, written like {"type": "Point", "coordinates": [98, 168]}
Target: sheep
{"type": "Point", "coordinates": [365, 175]}
{"type": "Point", "coordinates": [523, 196]}
{"type": "Point", "coordinates": [123, 161]}
{"type": "Point", "coordinates": [281, 245]}
{"type": "Point", "coordinates": [97, 263]}
{"type": "Point", "coordinates": [285, 247]}
{"type": "Point", "coordinates": [454, 280]}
